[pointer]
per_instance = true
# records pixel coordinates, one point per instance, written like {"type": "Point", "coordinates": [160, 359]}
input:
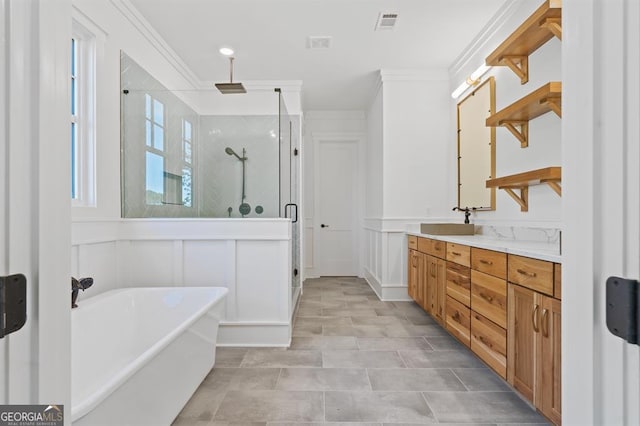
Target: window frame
{"type": "Point", "coordinates": [83, 173]}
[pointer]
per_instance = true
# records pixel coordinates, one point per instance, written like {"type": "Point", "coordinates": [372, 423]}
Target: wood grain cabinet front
{"type": "Point", "coordinates": [459, 254]}
{"type": "Point", "coordinates": [489, 297]}
{"type": "Point", "coordinates": [459, 283]}
{"type": "Point", "coordinates": [534, 349]}
{"type": "Point", "coordinates": [489, 261]}
{"type": "Point", "coordinates": [531, 273]}
{"type": "Point", "coordinates": [489, 342]}
{"type": "Point", "coordinates": [459, 320]}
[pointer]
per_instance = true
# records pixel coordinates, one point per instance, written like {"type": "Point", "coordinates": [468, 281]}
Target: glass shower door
{"type": "Point", "coordinates": [289, 187]}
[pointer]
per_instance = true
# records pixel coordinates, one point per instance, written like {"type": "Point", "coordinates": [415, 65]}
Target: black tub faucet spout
{"type": "Point", "coordinates": [81, 284]}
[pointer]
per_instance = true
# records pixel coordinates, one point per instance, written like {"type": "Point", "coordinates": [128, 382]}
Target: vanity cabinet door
{"type": "Point", "coordinates": [413, 274]}
{"type": "Point", "coordinates": [523, 323]}
{"type": "Point", "coordinates": [549, 383]}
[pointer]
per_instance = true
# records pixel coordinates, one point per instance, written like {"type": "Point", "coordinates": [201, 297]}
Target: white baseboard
{"type": "Point", "coordinates": [254, 335]}
{"type": "Point", "coordinates": [387, 292]}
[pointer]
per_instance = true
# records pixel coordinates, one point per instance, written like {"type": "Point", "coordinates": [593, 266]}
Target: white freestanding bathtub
{"type": "Point", "coordinates": [139, 354]}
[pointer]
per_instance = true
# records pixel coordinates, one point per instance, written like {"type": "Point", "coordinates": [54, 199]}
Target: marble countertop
{"type": "Point", "coordinates": [534, 249]}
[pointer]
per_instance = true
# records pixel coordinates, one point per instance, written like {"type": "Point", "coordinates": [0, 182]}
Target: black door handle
{"type": "Point", "coordinates": [324, 226]}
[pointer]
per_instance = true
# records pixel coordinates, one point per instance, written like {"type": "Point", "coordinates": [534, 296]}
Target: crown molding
{"type": "Point", "coordinates": [479, 44]}
{"type": "Point", "coordinates": [131, 14]}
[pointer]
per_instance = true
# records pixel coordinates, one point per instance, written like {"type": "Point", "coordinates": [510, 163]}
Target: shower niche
{"type": "Point", "coordinates": [180, 157]}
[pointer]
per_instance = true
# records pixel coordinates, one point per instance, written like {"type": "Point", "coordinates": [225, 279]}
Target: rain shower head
{"type": "Point", "coordinates": [230, 151]}
{"type": "Point", "coordinates": [231, 87]}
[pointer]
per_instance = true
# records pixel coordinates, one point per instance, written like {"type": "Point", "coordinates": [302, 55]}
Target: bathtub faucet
{"type": "Point", "coordinates": [82, 284]}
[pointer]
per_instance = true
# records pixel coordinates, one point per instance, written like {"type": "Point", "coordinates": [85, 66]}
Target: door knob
{"type": "Point", "coordinates": [324, 226]}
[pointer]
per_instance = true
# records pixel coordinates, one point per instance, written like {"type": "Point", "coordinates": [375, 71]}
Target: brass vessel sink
{"type": "Point", "coordinates": [447, 228]}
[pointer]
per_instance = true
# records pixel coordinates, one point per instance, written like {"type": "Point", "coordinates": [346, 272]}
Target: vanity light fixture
{"type": "Point", "coordinates": [472, 80]}
{"type": "Point", "coordinates": [226, 51]}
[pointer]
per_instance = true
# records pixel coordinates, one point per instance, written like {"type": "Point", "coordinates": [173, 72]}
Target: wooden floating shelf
{"type": "Point", "coordinates": [540, 27]}
{"type": "Point", "coordinates": [522, 181]}
{"type": "Point", "coordinates": [516, 116]}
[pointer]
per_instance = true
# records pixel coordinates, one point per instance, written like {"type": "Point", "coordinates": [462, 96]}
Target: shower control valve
{"type": "Point", "coordinates": [324, 226]}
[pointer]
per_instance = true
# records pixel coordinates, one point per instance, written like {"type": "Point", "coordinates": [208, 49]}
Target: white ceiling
{"type": "Point", "coordinates": [270, 37]}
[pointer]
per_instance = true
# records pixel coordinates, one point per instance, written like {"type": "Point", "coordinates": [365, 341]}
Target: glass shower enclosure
{"type": "Point", "coordinates": [182, 158]}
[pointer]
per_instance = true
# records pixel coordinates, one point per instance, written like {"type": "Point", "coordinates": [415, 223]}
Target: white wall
{"type": "Point", "coordinates": [337, 125]}
{"type": "Point", "coordinates": [545, 147]}
{"type": "Point", "coordinates": [408, 124]}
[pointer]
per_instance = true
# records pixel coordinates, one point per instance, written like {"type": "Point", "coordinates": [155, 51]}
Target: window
{"type": "Point", "coordinates": [82, 116]}
{"type": "Point", "coordinates": [187, 162]}
{"type": "Point", "coordinates": [155, 161]}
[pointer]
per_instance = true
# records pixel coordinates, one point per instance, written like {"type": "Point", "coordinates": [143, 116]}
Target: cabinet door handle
{"type": "Point", "coordinates": [414, 261]}
{"type": "Point", "coordinates": [486, 262]}
{"type": "Point", "coordinates": [528, 274]}
{"type": "Point", "coordinates": [455, 253]}
{"type": "Point", "coordinates": [545, 323]}
{"type": "Point", "coordinates": [433, 270]}
{"type": "Point", "coordinates": [534, 319]}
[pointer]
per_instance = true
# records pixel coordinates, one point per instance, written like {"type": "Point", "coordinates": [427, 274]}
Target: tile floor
{"type": "Point", "coordinates": [355, 360]}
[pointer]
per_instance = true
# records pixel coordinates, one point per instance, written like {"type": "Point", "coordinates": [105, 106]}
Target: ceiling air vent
{"type": "Point", "coordinates": [386, 21]}
{"type": "Point", "coordinates": [318, 42]}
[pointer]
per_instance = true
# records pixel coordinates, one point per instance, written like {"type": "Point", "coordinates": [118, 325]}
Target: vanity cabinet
{"type": "Point", "coordinates": [506, 308]}
{"type": "Point", "coordinates": [534, 352]}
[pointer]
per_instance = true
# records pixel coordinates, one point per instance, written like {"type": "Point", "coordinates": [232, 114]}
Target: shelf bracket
{"type": "Point", "coordinates": [554, 25]}
{"type": "Point", "coordinates": [554, 104]}
{"type": "Point", "coordinates": [519, 129]}
{"type": "Point", "coordinates": [519, 65]}
{"type": "Point", "coordinates": [555, 186]}
{"type": "Point", "coordinates": [522, 199]}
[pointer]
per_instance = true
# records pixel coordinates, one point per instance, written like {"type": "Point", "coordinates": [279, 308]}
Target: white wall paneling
{"type": "Point", "coordinates": [249, 257]}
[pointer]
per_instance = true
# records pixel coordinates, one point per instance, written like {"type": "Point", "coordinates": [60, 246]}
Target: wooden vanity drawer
{"type": "Point", "coordinates": [458, 320]}
{"type": "Point", "coordinates": [438, 249]}
{"type": "Point", "coordinates": [489, 342]}
{"type": "Point", "coordinates": [531, 273]}
{"type": "Point", "coordinates": [489, 261]}
{"type": "Point", "coordinates": [424, 245]}
{"type": "Point", "coordinates": [459, 283]}
{"type": "Point", "coordinates": [489, 297]}
{"type": "Point", "coordinates": [413, 242]}
{"type": "Point", "coordinates": [459, 254]}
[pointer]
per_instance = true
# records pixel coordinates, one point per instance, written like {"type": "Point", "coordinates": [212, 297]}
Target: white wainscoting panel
{"type": "Point", "coordinates": [252, 258]}
{"type": "Point", "coordinates": [146, 263]}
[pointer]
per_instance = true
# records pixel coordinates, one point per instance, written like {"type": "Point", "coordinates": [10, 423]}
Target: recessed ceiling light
{"type": "Point", "coordinates": [226, 51]}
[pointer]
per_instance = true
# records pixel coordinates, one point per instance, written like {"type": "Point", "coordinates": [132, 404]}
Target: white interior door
{"type": "Point", "coordinates": [336, 207]}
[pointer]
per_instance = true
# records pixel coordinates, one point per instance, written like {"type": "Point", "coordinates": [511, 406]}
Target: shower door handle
{"type": "Point", "coordinates": [286, 211]}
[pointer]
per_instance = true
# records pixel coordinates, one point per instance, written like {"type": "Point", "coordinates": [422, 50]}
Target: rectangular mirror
{"type": "Point", "coordinates": [477, 148]}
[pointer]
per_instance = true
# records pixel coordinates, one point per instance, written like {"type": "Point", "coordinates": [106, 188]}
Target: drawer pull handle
{"type": "Point", "coordinates": [486, 262]}
{"type": "Point", "coordinates": [534, 318]}
{"type": "Point", "coordinates": [455, 253]}
{"type": "Point", "coordinates": [545, 323]}
{"type": "Point", "coordinates": [456, 317]}
{"type": "Point", "coordinates": [528, 274]}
